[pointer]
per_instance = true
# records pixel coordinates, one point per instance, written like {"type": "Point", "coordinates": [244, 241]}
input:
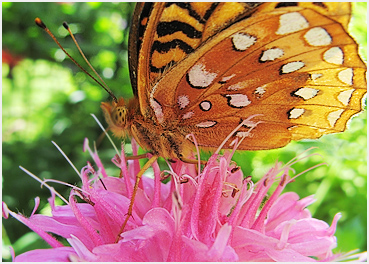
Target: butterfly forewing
{"type": "Point", "coordinates": [297, 69]}
{"type": "Point", "coordinates": [169, 32]}
{"type": "Point", "coordinates": [338, 11]}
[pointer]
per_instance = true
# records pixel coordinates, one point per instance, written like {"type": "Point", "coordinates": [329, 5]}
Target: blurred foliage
{"type": "Point", "coordinates": [46, 97]}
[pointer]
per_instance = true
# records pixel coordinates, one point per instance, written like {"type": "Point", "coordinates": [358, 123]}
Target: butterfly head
{"type": "Point", "coordinates": [116, 114]}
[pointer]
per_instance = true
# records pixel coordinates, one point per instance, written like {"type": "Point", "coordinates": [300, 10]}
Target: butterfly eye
{"type": "Point", "coordinates": [119, 116]}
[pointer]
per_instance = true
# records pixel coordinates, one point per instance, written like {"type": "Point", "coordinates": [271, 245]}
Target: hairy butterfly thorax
{"type": "Point", "coordinates": [127, 120]}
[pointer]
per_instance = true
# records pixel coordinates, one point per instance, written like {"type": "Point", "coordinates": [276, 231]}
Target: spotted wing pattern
{"type": "Point", "coordinates": [277, 71]}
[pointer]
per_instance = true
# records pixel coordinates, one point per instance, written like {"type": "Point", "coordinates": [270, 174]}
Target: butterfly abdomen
{"type": "Point", "coordinates": [164, 142]}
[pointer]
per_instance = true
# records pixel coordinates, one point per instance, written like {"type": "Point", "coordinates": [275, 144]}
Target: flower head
{"type": "Point", "coordinates": [215, 215]}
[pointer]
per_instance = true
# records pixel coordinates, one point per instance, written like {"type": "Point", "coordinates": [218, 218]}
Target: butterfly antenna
{"type": "Point", "coordinates": [65, 25]}
{"type": "Point", "coordinates": [41, 24]}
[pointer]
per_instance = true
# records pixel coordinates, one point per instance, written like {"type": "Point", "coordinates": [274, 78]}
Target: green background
{"type": "Point", "coordinates": [46, 97]}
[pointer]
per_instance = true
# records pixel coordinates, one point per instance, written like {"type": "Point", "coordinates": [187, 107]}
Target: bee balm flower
{"type": "Point", "coordinates": [215, 215]}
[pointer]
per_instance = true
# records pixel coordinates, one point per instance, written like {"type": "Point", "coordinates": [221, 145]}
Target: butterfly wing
{"type": "Point", "coordinates": [162, 34]}
{"type": "Point", "coordinates": [296, 68]}
{"type": "Point", "coordinates": [135, 41]}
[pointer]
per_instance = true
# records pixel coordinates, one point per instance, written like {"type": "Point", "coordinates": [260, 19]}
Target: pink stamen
{"type": "Point", "coordinates": [257, 198]}
{"type": "Point", "coordinates": [136, 163]}
{"type": "Point", "coordinates": [244, 122]}
{"type": "Point", "coordinates": [91, 232]}
{"type": "Point", "coordinates": [197, 151]}
{"type": "Point", "coordinates": [197, 202]}
{"type": "Point", "coordinates": [285, 233]}
{"type": "Point", "coordinates": [218, 182]}
{"type": "Point", "coordinates": [243, 198]}
{"type": "Point", "coordinates": [37, 203]}
{"type": "Point", "coordinates": [106, 229]}
{"type": "Point", "coordinates": [259, 222]}
{"type": "Point", "coordinates": [157, 185]}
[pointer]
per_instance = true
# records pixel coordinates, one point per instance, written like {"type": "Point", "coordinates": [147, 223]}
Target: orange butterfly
{"type": "Point", "coordinates": [204, 68]}
{"type": "Point", "coordinates": [275, 71]}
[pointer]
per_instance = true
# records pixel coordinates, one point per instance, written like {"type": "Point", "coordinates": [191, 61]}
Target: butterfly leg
{"type": "Point", "coordinates": [142, 156]}
{"type": "Point", "coordinates": [192, 161]}
{"type": "Point", "coordinates": [138, 178]}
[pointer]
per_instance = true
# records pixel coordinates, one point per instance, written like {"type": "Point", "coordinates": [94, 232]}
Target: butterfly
{"type": "Point", "coordinates": [260, 74]}
{"type": "Point", "coordinates": [285, 71]}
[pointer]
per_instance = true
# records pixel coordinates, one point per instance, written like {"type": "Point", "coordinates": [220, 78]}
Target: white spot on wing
{"type": "Point", "coordinates": [188, 115]}
{"type": "Point", "coordinates": [260, 90]}
{"type": "Point", "coordinates": [227, 78]}
{"type": "Point", "coordinates": [236, 86]}
{"type": "Point", "coordinates": [292, 128]}
{"type": "Point", "coordinates": [315, 76]}
{"type": "Point", "coordinates": [242, 41]}
{"type": "Point", "coordinates": [334, 116]}
{"type": "Point", "coordinates": [243, 134]}
{"type": "Point", "coordinates": [205, 105]}
{"type": "Point", "coordinates": [206, 124]}
{"type": "Point", "coordinates": [292, 66]}
{"type": "Point", "coordinates": [306, 93]}
{"type": "Point", "coordinates": [296, 113]}
{"type": "Point", "coordinates": [346, 76]}
{"type": "Point", "coordinates": [238, 100]}
{"type": "Point", "coordinates": [183, 101]}
{"type": "Point", "coordinates": [271, 54]}
{"type": "Point", "coordinates": [199, 77]}
{"type": "Point", "coordinates": [334, 55]}
{"type": "Point", "coordinates": [345, 96]}
{"type": "Point", "coordinates": [318, 37]}
{"type": "Point", "coordinates": [291, 22]}
{"type": "Point", "coordinates": [157, 110]}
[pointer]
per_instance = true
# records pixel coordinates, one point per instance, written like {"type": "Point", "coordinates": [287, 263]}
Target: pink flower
{"type": "Point", "coordinates": [215, 215]}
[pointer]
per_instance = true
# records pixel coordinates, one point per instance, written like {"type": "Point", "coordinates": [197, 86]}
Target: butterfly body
{"type": "Point", "coordinates": [164, 140]}
{"type": "Point", "coordinates": [283, 72]}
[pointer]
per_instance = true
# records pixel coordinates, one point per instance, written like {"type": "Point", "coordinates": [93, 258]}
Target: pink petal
{"type": "Point", "coordinates": [84, 254]}
{"type": "Point", "coordinates": [121, 252]}
{"type": "Point", "coordinates": [287, 255]}
{"type": "Point", "coordinates": [37, 229]}
{"type": "Point", "coordinates": [60, 254]}
{"type": "Point", "coordinates": [287, 207]}
{"type": "Point", "coordinates": [251, 245]}
{"type": "Point", "coordinates": [5, 210]}
{"type": "Point", "coordinates": [220, 249]}
{"type": "Point", "coordinates": [193, 250]}
{"type": "Point", "coordinates": [49, 224]}
{"type": "Point", "coordinates": [153, 239]}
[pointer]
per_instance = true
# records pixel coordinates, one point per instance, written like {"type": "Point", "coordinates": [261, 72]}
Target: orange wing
{"type": "Point", "coordinates": [297, 69]}
{"type": "Point", "coordinates": [168, 32]}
